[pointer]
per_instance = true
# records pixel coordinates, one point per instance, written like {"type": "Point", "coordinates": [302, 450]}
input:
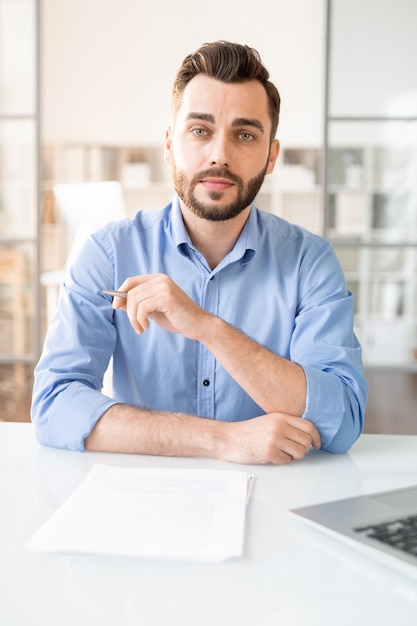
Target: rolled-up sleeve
{"type": "Point", "coordinates": [326, 346]}
{"type": "Point", "coordinates": [67, 400]}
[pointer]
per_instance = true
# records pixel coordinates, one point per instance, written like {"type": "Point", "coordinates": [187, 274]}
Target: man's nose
{"type": "Point", "coordinates": [220, 151]}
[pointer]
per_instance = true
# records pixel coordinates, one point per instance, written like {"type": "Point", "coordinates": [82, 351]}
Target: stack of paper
{"type": "Point", "coordinates": [182, 514]}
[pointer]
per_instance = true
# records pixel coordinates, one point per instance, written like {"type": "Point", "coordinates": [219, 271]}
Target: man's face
{"type": "Point", "coordinates": [219, 146]}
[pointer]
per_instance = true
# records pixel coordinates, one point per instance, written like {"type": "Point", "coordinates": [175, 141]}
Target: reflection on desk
{"type": "Point", "coordinates": [286, 575]}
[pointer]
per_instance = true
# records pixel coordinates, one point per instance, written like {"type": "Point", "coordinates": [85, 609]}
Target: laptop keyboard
{"type": "Point", "coordinates": [400, 533]}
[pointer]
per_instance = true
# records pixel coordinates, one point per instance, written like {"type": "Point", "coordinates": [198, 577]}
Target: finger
{"type": "Point", "coordinates": [145, 309]}
{"type": "Point", "coordinates": [139, 323]}
{"type": "Point", "coordinates": [316, 443]}
{"type": "Point", "coordinates": [315, 436]}
{"type": "Point", "coordinates": [295, 449]}
{"type": "Point", "coordinates": [127, 286]}
{"type": "Point", "coordinates": [307, 427]}
{"type": "Point", "coordinates": [137, 305]}
{"type": "Point", "coordinates": [119, 303]}
{"type": "Point", "coordinates": [297, 443]}
{"type": "Point", "coordinates": [130, 307]}
{"type": "Point", "coordinates": [282, 458]}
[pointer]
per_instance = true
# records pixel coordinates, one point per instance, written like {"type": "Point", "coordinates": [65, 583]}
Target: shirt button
{"type": "Point", "coordinates": [206, 382]}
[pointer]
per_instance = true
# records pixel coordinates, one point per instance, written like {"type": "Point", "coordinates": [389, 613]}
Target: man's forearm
{"type": "Point", "coordinates": [273, 382]}
{"type": "Point", "coordinates": [127, 429]}
{"type": "Point", "coordinates": [275, 438]}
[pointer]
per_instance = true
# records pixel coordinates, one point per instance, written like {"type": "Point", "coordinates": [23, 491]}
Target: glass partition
{"type": "Point", "coordinates": [18, 182]}
{"type": "Point", "coordinates": [17, 57]}
{"type": "Point", "coordinates": [373, 58]}
{"type": "Point", "coordinates": [370, 169]}
{"type": "Point", "coordinates": [19, 211]}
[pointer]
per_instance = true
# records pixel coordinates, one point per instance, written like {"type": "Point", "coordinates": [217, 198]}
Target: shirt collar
{"type": "Point", "coordinates": [181, 237]}
{"type": "Point", "coordinates": [244, 249]}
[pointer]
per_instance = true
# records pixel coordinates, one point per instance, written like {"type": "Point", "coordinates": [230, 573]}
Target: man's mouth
{"type": "Point", "coordinates": [217, 184]}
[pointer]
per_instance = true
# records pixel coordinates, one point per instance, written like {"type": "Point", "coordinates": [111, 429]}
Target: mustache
{"type": "Point", "coordinates": [217, 172]}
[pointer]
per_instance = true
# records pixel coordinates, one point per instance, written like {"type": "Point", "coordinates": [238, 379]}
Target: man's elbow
{"type": "Point", "coordinates": [349, 432]}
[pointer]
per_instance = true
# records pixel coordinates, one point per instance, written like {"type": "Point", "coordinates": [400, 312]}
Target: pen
{"type": "Point", "coordinates": [111, 292]}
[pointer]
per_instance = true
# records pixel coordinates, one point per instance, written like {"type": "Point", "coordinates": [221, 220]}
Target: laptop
{"type": "Point", "coordinates": [384, 524]}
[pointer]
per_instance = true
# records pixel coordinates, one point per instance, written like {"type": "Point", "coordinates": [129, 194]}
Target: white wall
{"type": "Point", "coordinates": [108, 65]}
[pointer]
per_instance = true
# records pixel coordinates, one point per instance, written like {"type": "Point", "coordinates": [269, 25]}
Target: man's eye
{"type": "Point", "coordinates": [246, 136]}
{"type": "Point", "coordinates": [199, 132]}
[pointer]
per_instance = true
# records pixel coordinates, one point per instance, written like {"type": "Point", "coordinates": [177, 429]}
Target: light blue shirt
{"type": "Point", "coordinates": [281, 285]}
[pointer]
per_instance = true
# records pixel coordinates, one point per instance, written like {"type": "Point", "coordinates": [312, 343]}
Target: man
{"type": "Point", "coordinates": [235, 339]}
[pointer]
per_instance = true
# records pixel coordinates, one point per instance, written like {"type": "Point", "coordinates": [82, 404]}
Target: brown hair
{"type": "Point", "coordinates": [230, 63]}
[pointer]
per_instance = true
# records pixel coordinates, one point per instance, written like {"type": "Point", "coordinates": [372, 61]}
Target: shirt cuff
{"type": "Point", "coordinates": [76, 411]}
{"type": "Point", "coordinates": [329, 409]}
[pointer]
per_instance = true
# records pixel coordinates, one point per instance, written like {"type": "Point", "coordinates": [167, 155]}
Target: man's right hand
{"type": "Point", "coordinates": [274, 438]}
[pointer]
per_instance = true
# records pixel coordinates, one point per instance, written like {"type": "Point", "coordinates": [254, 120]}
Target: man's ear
{"type": "Point", "coordinates": [273, 156]}
{"type": "Point", "coordinates": [168, 146]}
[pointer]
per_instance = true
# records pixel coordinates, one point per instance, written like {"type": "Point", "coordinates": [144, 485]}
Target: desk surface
{"type": "Point", "coordinates": [290, 574]}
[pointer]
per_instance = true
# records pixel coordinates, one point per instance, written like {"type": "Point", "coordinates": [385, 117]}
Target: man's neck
{"type": "Point", "coordinates": [214, 240]}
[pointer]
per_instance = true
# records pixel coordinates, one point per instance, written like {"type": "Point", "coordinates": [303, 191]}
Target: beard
{"type": "Point", "coordinates": [216, 210]}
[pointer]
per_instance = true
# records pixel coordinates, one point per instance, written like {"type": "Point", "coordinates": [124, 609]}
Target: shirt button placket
{"type": "Point", "coordinates": [206, 361]}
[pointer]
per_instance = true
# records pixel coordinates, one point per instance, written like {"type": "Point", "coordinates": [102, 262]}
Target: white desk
{"type": "Point", "coordinates": [290, 574]}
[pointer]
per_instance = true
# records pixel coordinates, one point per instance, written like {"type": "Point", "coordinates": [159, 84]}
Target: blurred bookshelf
{"type": "Point", "coordinates": [371, 220]}
{"type": "Point", "coordinates": [19, 199]}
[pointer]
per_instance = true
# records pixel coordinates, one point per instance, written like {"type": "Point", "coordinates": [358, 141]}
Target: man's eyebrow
{"type": "Point", "coordinates": [248, 121]}
{"type": "Point", "coordinates": [204, 117]}
{"type": "Point", "coordinates": [240, 121]}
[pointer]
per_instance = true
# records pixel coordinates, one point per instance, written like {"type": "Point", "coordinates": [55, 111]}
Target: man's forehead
{"type": "Point", "coordinates": [207, 96]}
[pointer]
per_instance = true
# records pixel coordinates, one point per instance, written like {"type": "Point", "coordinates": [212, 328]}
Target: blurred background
{"type": "Point", "coordinates": [84, 103]}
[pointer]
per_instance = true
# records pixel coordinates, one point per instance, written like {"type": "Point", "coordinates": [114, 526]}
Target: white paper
{"type": "Point", "coordinates": [180, 514]}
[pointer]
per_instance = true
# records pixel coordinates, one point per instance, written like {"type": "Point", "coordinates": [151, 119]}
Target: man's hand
{"type": "Point", "coordinates": [157, 297]}
{"type": "Point", "coordinates": [274, 438]}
